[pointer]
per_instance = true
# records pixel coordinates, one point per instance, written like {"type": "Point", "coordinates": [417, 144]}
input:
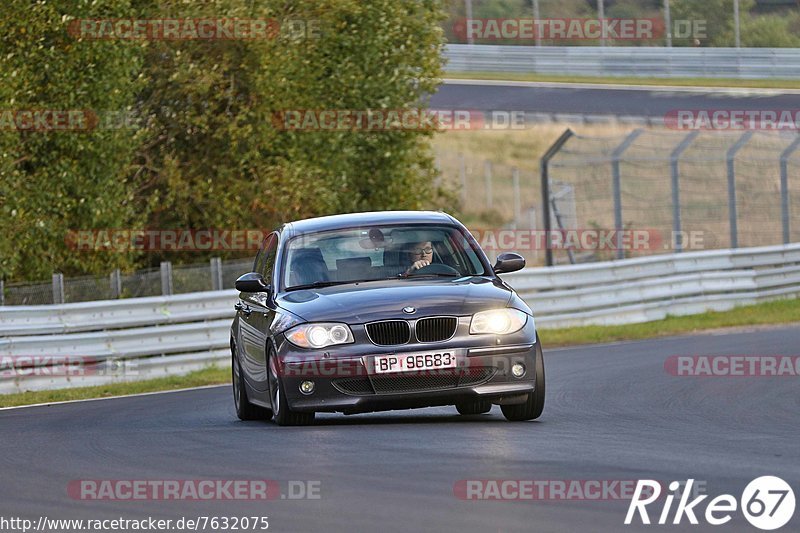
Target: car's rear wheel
{"type": "Point", "coordinates": [474, 407]}
{"type": "Point", "coordinates": [284, 416]}
{"type": "Point", "coordinates": [244, 409]}
{"type": "Point", "coordinates": [534, 405]}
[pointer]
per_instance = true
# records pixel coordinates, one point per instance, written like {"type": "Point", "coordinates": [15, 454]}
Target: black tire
{"type": "Point", "coordinates": [283, 415]}
{"type": "Point", "coordinates": [474, 407]}
{"type": "Point", "coordinates": [533, 407]}
{"type": "Point", "coordinates": [244, 409]}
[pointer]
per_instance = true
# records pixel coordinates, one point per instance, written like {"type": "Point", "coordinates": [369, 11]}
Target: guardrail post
{"type": "Point", "coordinates": [216, 273]}
{"type": "Point", "coordinates": [732, 210]}
{"type": "Point", "coordinates": [166, 278]}
{"type": "Point", "coordinates": [115, 282]}
{"type": "Point", "coordinates": [545, 173]}
{"type": "Point", "coordinates": [676, 191]}
{"type": "Point", "coordinates": [58, 288]}
{"type": "Point", "coordinates": [462, 173]}
{"type": "Point", "coordinates": [517, 199]}
{"type": "Point", "coordinates": [785, 188]}
{"type": "Point", "coordinates": [487, 176]}
{"type": "Point", "coordinates": [2, 292]}
{"type": "Point", "coordinates": [616, 158]}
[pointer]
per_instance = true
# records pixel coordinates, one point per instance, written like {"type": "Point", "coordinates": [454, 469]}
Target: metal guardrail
{"type": "Point", "coordinates": [150, 337]}
{"type": "Point", "coordinates": [744, 63]}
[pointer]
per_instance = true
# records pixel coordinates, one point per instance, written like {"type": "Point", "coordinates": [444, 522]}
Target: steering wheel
{"type": "Point", "coordinates": [436, 268]}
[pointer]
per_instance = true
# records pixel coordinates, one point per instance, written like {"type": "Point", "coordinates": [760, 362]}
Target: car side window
{"type": "Point", "coordinates": [267, 255]}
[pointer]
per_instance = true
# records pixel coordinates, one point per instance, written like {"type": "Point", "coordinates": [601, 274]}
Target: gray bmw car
{"type": "Point", "coordinates": [379, 311]}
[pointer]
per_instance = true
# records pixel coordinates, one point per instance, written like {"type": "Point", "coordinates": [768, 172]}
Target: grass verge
{"type": "Point", "coordinates": [669, 82]}
{"type": "Point", "coordinates": [208, 376]}
{"type": "Point", "coordinates": [770, 313]}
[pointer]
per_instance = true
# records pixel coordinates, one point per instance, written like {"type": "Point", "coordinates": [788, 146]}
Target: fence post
{"type": "Point", "coordinates": [115, 281]}
{"type": "Point", "coordinates": [732, 215]}
{"type": "Point", "coordinates": [617, 184]}
{"type": "Point", "coordinates": [517, 199]}
{"type": "Point", "coordinates": [676, 191]}
{"type": "Point", "coordinates": [462, 172]}
{"type": "Point", "coordinates": [166, 278]}
{"type": "Point", "coordinates": [487, 176]}
{"type": "Point", "coordinates": [785, 188]}
{"type": "Point", "coordinates": [545, 173]}
{"type": "Point", "coordinates": [216, 273]}
{"type": "Point", "coordinates": [58, 288]}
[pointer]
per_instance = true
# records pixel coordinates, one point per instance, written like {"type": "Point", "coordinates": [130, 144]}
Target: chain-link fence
{"type": "Point", "coordinates": [698, 190]}
{"type": "Point", "coordinates": [166, 280]}
{"type": "Point", "coordinates": [674, 191]}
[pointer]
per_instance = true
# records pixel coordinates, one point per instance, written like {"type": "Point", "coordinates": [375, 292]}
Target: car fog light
{"type": "Point", "coordinates": [307, 387]}
{"type": "Point", "coordinates": [518, 370]}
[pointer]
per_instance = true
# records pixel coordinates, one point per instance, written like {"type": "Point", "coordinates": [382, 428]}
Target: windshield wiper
{"type": "Point", "coordinates": [319, 284]}
{"type": "Point", "coordinates": [315, 285]}
{"type": "Point", "coordinates": [434, 274]}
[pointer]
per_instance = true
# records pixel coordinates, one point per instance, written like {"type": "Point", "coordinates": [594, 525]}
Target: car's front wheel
{"type": "Point", "coordinates": [534, 405]}
{"type": "Point", "coordinates": [244, 409]}
{"type": "Point", "coordinates": [284, 416]}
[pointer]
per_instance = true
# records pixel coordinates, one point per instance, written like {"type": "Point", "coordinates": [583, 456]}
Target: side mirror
{"type": "Point", "coordinates": [509, 262]}
{"type": "Point", "coordinates": [251, 282]}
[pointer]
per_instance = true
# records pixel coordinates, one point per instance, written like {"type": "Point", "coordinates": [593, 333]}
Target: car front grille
{"type": "Point", "coordinates": [355, 386]}
{"type": "Point", "coordinates": [389, 332]}
{"type": "Point", "coordinates": [414, 381]}
{"type": "Point", "coordinates": [436, 329]}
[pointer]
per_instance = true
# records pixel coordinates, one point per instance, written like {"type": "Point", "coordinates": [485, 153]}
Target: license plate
{"type": "Point", "coordinates": [385, 364]}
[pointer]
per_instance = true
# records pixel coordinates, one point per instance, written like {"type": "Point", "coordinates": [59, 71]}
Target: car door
{"type": "Point", "coordinates": [258, 311]}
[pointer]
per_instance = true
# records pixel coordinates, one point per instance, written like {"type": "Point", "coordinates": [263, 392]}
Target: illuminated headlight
{"type": "Point", "coordinates": [319, 335]}
{"type": "Point", "coordinates": [498, 321]}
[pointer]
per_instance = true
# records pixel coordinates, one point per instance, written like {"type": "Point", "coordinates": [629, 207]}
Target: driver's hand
{"type": "Point", "coordinates": [417, 265]}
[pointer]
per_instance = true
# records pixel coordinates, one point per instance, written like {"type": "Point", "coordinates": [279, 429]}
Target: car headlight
{"type": "Point", "coordinates": [319, 335]}
{"type": "Point", "coordinates": [498, 321]}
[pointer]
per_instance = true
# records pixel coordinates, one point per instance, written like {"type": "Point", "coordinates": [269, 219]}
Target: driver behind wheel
{"type": "Point", "coordinates": [421, 254]}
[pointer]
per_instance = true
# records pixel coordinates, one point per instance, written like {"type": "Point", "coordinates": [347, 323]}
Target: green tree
{"type": "Point", "coordinates": [211, 154]}
{"type": "Point", "coordinates": [768, 31]}
{"type": "Point", "coordinates": [54, 181]}
{"type": "Point", "coordinates": [203, 151]}
{"type": "Point", "coordinates": [718, 18]}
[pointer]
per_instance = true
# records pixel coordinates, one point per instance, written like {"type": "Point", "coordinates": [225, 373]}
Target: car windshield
{"type": "Point", "coordinates": [379, 252]}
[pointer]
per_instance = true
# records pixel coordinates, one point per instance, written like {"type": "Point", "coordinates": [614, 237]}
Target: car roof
{"type": "Point", "coordinates": [349, 220]}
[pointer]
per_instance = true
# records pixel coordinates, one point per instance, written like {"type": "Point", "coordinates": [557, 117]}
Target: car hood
{"type": "Point", "coordinates": [380, 300]}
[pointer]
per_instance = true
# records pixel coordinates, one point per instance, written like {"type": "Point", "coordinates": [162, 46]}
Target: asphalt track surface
{"type": "Point", "coordinates": [593, 100]}
{"type": "Point", "coordinates": [612, 413]}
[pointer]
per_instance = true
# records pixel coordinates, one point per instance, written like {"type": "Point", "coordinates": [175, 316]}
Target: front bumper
{"type": "Point", "coordinates": [344, 379]}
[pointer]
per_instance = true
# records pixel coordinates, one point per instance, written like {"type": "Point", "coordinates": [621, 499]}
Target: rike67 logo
{"type": "Point", "coordinates": [767, 503]}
